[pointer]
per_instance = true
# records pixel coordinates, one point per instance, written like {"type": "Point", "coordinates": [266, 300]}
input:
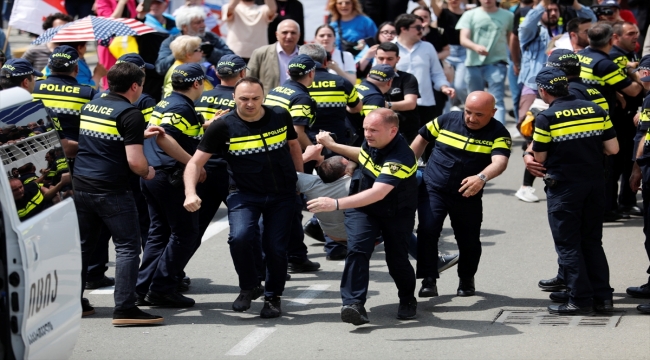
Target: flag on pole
{"type": "Point", "coordinates": [28, 15]}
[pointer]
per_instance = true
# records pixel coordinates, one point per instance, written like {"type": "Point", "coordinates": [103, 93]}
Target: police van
{"type": "Point", "coordinates": [40, 253]}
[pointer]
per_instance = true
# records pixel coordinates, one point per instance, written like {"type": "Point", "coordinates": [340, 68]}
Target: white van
{"type": "Point", "coordinates": [40, 255]}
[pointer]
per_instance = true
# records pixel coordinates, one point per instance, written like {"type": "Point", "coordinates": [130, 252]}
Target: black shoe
{"type": "Point", "coordinates": [243, 301]}
{"type": "Point", "coordinates": [104, 282]}
{"type": "Point", "coordinates": [135, 316]}
{"type": "Point", "coordinates": [86, 309]}
{"type": "Point", "coordinates": [140, 300]}
{"type": "Point", "coordinates": [182, 287]}
{"type": "Point", "coordinates": [446, 261]}
{"type": "Point", "coordinates": [611, 216]}
{"type": "Point", "coordinates": [569, 309]}
{"type": "Point", "coordinates": [644, 308]}
{"type": "Point", "coordinates": [466, 287]}
{"type": "Point", "coordinates": [173, 300]}
{"type": "Point", "coordinates": [429, 288]}
{"type": "Point", "coordinates": [337, 255]}
{"type": "Point", "coordinates": [308, 265]}
{"type": "Point", "coordinates": [271, 308]}
{"type": "Point", "coordinates": [603, 306]}
{"type": "Point", "coordinates": [551, 285]}
{"type": "Point", "coordinates": [511, 112]}
{"type": "Point", "coordinates": [354, 314]}
{"type": "Point", "coordinates": [631, 210]}
{"type": "Point", "coordinates": [287, 277]}
{"type": "Point", "coordinates": [186, 280]}
{"type": "Point", "coordinates": [407, 310]}
{"type": "Point", "coordinates": [559, 297]}
{"type": "Point", "coordinates": [642, 291]}
{"type": "Point", "coordinates": [314, 231]}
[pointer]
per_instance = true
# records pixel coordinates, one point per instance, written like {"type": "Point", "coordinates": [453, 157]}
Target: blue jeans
{"type": "Point", "coordinates": [118, 212]}
{"type": "Point", "coordinates": [515, 88]}
{"type": "Point", "coordinates": [244, 211]}
{"type": "Point", "coordinates": [456, 58]}
{"type": "Point", "coordinates": [495, 77]}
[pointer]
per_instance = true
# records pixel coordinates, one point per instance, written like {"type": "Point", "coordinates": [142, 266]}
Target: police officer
{"type": "Point", "coordinates": [31, 198]}
{"type": "Point", "coordinates": [18, 73]}
{"type": "Point", "coordinates": [65, 96]}
{"type": "Point", "coordinates": [641, 172]}
{"type": "Point", "coordinates": [173, 233]}
{"type": "Point", "coordinates": [470, 149]}
{"type": "Point", "coordinates": [110, 148]}
{"type": "Point", "coordinates": [263, 154]}
{"type": "Point", "coordinates": [333, 95]}
{"type": "Point", "coordinates": [570, 139]}
{"type": "Point", "coordinates": [383, 198]}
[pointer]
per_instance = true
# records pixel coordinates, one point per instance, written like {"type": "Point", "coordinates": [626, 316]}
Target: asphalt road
{"type": "Point", "coordinates": [517, 252]}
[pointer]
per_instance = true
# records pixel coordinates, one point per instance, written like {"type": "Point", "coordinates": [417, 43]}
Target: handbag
{"type": "Point", "coordinates": [345, 45]}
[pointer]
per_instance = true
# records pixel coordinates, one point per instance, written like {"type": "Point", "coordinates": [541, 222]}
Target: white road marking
{"type": "Point", "coordinates": [249, 343]}
{"type": "Point", "coordinates": [215, 228]}
{"type": "Point", "coordinates": [308, 295]}
{"type": "Point", "coordinates": [342, 263]}
{"type": "Point", "coordinates": [103, 291]}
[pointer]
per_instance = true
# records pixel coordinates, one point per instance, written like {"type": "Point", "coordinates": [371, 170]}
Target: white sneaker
{"type": "Point", "coordinates": [455, 108]}
{"type": "Point", "coordinates": [525, 193]}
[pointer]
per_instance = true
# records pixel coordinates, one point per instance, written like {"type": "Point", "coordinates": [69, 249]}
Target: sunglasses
{"type": "Point", "coordinates": [417, 27]}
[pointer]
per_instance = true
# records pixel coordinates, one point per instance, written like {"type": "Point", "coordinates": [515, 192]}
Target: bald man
{"type": "Point", "coordinates": [471, 148]}
{"type": "Point", "coordinates": [269, 63]}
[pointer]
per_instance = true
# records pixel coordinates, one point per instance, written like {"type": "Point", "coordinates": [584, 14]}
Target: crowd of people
{"type": "Point", "coordinates": [385, 116]}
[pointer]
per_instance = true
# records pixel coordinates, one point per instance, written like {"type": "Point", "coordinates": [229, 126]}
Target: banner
{"type": "Point", "coordinates": [28, 15]}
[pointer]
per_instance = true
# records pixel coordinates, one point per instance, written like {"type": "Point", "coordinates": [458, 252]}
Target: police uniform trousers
{"type": "Point", "coordinates": [172, 238]}
{"type": "Point", "coordinates": [645, 170]}
{"type": "Point", "coordinates": [466, 215]}
{"type": "Point", "coordinates": [363, 230]}
{"type": "Point", "coordinates": [244, 211]}
{"type": "Point", "coordinates": [575, 215]}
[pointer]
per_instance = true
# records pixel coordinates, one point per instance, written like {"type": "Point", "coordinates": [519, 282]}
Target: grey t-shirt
{"type": "Point", "coordinates": [313, 187]}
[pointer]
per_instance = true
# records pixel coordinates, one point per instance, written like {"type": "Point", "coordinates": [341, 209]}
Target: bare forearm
{"type": "Point", "coordinates": [191, 177]}
{"type": "Point", "coordinates": [361, 199]}
{"type": "Point", "coordinates": [496, 168]}
{"type": "Point", "coordinates": [303, 139]}
{"type": "Point", "coordinates": [296, 156]}
{"type": "Point", "coordinates": [350, 152]}
{"type": "Point", "coordinates": [418, 146]}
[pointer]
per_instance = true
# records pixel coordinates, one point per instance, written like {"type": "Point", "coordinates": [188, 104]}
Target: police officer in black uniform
{"type": "Point", "coordinates": [18, 73]}
{"type": "Point", "coordinates": [470, 149]}
{"type": "Point", "coordinates": [383, 199]}
{"type": "Point", "coordinates": [110, 148]}
{"type": "Point", "coordinates": [641, 174]}
{"type": "Point", "coordinates": [263, 153]}
{"type": "Point", "coordinates": [570, 139]}
{"type": "Point", "coordinates": [31, 198]}
{"type": "Point", "coordinates": [64, 95]}
{"type": "Point", "coordinates": [173, 232]}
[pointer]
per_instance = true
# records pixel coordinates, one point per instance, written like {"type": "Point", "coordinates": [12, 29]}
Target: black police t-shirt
{"type": "Point", "coordinates": [217, 134]}
{"type": "Point", "coordinates": [405, 84]}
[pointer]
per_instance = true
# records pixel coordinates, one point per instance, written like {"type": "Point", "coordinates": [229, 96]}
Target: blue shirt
{"type": "Point", "coordinates": [360, 27]}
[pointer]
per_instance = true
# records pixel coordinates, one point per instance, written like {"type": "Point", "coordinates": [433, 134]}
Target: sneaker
{"type": "Point", "coordinates": [135, 316]}
{"type": "Point", "coordinates": [446, 261]}
{"type": "Point", "coordinates": [271, 308]}
{"type": "Point", "coordinates": [354, 314]}
{"type": "Point", "coordinates": [140, 300]}
{"type": "Point", "coordinates": [305, 266]}
{"type": "Point", "coordinates": [525, 193]}
{"type": "Point", "coordinates": [243, 301]}
{"type": "Point", "coordinates": [173, 300]}
{"type": "Point", "coordinates": [429, 288]}
{"type": "Point", "coordinates": [104, 282]}
{"type": "Point", "coordinates": [407, 311]}
{"type": "Point", "coordinates": [86, 309]}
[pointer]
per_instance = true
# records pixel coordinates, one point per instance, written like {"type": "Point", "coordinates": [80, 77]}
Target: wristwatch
{"type": "Point", "coordinates": [389, 104]}
{"type": "Point", "coordinates": [483, 177]}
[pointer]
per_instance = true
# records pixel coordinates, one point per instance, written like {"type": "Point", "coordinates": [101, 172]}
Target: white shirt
{"type": "Point", "coordinates": [348, 65]}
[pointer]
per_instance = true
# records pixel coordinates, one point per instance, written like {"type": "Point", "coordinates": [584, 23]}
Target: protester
{"type": "Point", "coordinates": [351, 25]}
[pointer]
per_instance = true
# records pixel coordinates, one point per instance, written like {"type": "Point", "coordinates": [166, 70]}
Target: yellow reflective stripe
{"type": "Point", "coordinates": [614, 77]}
{"type": "Point", "coordinates": [575, 129]}
{"type": "Point", "coordinates": [502, 143]}
{"type": "Point", "coordinates": [602, 102]}
{"type": "Point", "coordinates": [366, 161]}
{"type": "Point", "coordinates": [155, 118]}
{"type": "Point", "coordinates": [277, 99]}
{"type": "Point", "coordinates": [433, 127]}
{"type": "Point", "coordinates": [179, 122]}
{"type": "Point", "coordinates": [208, 113]}
{"type": "Point", "coordinates": [99, 125]}
{"type": "Point", "coordinates": [541, 136]}
{"type": "Point", "coordinates": [147, 113]}
{"type": "Point", "coordinates": [575, 122]}
{"type": "Point", "coordinates": [367, 109]}
{"type": "Point", "coordinates": [62, 104]}
{"type": "Point", "coordinates": [398, 170]}
{"type": "Point", "coordinates": [320, 98]}
{"type": "Point", "coordinates": [301, 110]}
{"type": "Point", "coordinates": [60, 97]}
{"type": "Point", "coordinates": [354, 95]}
{"type": "Point", "coordinates": [61, 165]}
{"type": "Point", "coordinates": [608, 123]}
{"type": "Point", "coordinates": [256, 141]}
{"type": "Point", "coordinates": [645, 115]}
{"type": "Point", "coordinates": [31, 204]}
{"type": "Point", "coordinates": [621, 61]}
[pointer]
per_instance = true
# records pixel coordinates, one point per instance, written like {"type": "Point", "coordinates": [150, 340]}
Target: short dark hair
{"type": "Point", "coordinates": [618, 27]}
{"type": "Point", "coordinates": [571, 70]}
{"type": "Point", "coordinates": [26, 168]}
{"type": "Point", "coordinates": [40, 122]}
{"type": "Point", "coordinates": [389, 46]}
{"type": "Point", "coordinates": [121, 76]}
{"type": "Point", "coordinates": [249, 80]}
{"type": "Point", "coordinates": [331, 169]}
{"type": "Point", "coordinates": [425, 8]}
{"type": "Point", "coordinates": [405, 21]}
{"type": "Point", "coordinates": [179, 85]}
{"type": "Point", "coordinates": [574, 24]}
{"type": "Point", "coordinates": [558, 92]}
{"type": "Point", "coordinates": [13, 81]}
{"type": "Point", "coordinates": [49, 21]}
{"type": "Point", "coordinates": [599, 35]}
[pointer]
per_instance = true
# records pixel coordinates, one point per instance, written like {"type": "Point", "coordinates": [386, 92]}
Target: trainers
{"type": "Point", "coordinates": [525, 193]}
{"type": "Point", "coordinates": [140, 300]}
{"type": "Point", "coordinates": [173, 300]}
{"type": "Point", "coordinates": [135, 316]}
{"type": "Point", "coordinates": [429, 288]}
{"type": "Point", "coordinates": [86, 309]}
{"type": "Point", "coordinates": [354, 314]}
{"type": "Point", "coordinates": [305, 266]}
{"type": "Point", "coordinates": [407, 311]}
{"type": "Point", "coordinates": [271, 308]}
{"type": "Point", "coordinates": [243, 301]}
{"type": "Point", "coordinates": [569, 309]}
{"type": "Point", "coordinates": [446, 261]}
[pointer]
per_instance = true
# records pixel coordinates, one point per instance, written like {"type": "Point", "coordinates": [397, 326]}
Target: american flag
{"type": "Point", "coordinates": [93, 28]}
